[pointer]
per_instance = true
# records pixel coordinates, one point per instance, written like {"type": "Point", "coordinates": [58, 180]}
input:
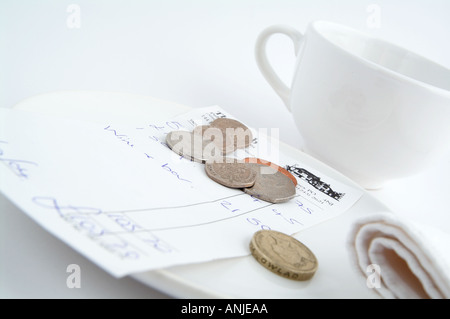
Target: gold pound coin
{"type": "Point", "coordinates": [283, 255]}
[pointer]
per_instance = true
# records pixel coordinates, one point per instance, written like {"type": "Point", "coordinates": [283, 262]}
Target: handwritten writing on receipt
{"type": "Point", "coordinates": [119, 196]}
{"type": "Point", "coordinates": [19, 167]}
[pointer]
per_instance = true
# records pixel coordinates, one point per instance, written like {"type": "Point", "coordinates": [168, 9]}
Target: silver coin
{"type": "Point", "coordinates": [223, 141]}
{"type": "Point", "coordinates": [214, 134]}
{"type": "Point", "coordinates": [192, 146]}
{"type": "Point", "coordinates": [271, 185]}
{"type": "Point", "coordinates": [231, 173]}
{"type": "Point", "coordinates": [240, 135]}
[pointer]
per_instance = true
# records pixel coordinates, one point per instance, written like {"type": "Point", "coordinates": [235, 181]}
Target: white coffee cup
{"type": "Point", "coordinates": [366, 107]}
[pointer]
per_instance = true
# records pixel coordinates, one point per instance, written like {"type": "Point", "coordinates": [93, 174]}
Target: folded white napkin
{"type": "Point", "coordinates": [413, 260]}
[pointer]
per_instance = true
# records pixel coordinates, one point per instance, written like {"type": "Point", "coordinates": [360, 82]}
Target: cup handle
{"type": "Point", "coordinates": [263, 63]}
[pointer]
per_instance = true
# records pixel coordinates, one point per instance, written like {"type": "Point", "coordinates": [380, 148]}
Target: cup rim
{"type": "Point", "coordinates": [379, 67]}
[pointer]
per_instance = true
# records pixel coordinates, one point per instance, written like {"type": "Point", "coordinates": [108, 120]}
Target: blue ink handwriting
{"type": "Point", "coordinates": [167, 168]}
{"type": "Point", "coordinates": [17, 166]}
{"type": "Point", "coordinates": [122, 137]}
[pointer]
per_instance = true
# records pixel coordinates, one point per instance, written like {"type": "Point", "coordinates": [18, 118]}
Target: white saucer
{"type": "Point", "coordinates": [237, 277]}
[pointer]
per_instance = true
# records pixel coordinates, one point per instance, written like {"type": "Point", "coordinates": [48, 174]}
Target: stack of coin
{"type": "Point", "coordinates": [209, 144]}
{"type": "Point", "coordinates": [223, 136]}
{"type": "Point", "coordinates": [259, 180]}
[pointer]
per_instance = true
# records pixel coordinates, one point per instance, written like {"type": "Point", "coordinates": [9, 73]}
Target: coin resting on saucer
{"type": "Point", "coordinates": [283, 255]}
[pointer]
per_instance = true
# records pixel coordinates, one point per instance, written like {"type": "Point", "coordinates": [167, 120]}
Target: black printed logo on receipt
{"type": "Point", "coordinates": [314, 181]}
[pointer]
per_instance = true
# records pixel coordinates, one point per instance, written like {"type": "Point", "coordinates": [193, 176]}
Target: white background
{"type": "Point", "coordinates": [196, 53]}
